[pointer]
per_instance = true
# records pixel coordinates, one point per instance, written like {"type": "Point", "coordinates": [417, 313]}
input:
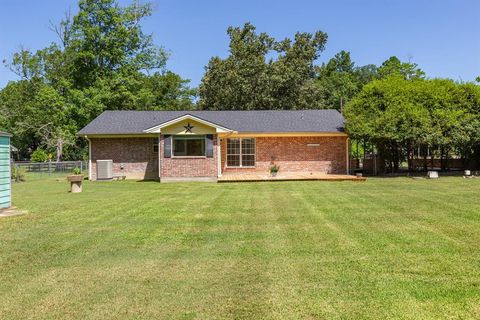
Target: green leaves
{"type": "Point", "coordinates": [394, 67]}
{"type": "Point", "coordinates": [416, 113]}
{"type": "Point", "coordinates": [103, 61]}
{"type": "Point", "coordinates": [263, 73]}
{"type": "Point", "coordinates": [39, 155]}
{"type": "Point", "coordinates": [341, 80]}
{"type": "Point", "coordinates": [106, 37]}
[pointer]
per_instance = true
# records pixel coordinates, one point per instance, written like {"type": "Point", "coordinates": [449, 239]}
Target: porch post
{"type": "Point", "coordinates": [89, 159]}
{"type": "Point", "coordinates": [159, 156]}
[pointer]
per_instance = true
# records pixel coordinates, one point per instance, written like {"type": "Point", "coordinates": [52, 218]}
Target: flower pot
{"type": "Point", "coordinates": [75, 182]}
{"type": "Point", "coordinates": [75, 177]}
{"type": "Point", "coordinates": [273, 174]}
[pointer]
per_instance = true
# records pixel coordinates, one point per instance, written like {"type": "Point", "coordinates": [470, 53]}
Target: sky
{"type": "Point", "coordinates": [441, 36]}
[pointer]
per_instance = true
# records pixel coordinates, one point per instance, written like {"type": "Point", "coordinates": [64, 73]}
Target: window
{"type": "Point", "coordinates": [188, 146]}
{"type": "Point", "coordinates": [248, 152]}
{"type": "Point", "coordinates": [155, 145]}
{"type": "Point", "coordinates": [241, 152]}
{"type": "Point", "coordinates": [233, 152]}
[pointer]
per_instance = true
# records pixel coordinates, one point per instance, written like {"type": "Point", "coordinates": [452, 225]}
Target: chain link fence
{"type": "Point", "coordinates": [45, 170]}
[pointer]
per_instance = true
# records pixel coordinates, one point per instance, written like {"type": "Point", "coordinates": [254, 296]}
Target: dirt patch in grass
{"type": "Point", "coordinates": [10, 212]}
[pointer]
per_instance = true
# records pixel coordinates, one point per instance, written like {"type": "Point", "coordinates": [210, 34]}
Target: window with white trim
{"type": "Point", "coordinates": [241, 152]}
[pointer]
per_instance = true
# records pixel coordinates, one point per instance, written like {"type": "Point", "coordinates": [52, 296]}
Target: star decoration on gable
{"type": "Point", "coordinates": [188, 128]}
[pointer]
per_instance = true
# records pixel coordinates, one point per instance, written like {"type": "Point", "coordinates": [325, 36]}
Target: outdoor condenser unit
{"type": "Point", "coordinates": [104, 169]}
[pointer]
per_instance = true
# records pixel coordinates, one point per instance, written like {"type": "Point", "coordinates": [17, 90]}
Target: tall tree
{"type": "Point", "coordinates": [399, 116]}
{"type": "Point", "coordinates": [366, 74]}
{"type": "Point", "coordinates": [393, 66]}
{"type": "Point", "coordinates": [263, 73]}
{"type": "Point", "coordinates": [338, 80]}
{"type": "Point", "coordinates": [106, 37]}
{"type": "Point", "coordinates": [341, 79]}
{"type": "Point", "coordinates": [103, 60]}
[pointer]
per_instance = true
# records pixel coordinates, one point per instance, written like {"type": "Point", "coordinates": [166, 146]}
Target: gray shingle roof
{"type": "Point", "coordinates": [134, 122]}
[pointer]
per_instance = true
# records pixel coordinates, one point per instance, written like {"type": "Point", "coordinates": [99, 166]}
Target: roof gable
{"type": "Point", "coordinates": [158, 128]}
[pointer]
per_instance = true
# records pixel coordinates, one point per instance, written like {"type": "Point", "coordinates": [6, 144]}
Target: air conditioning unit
{"type": "Point", "coordinates": [104, 169]}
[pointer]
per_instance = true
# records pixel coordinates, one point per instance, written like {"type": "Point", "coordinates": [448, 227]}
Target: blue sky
{"type": "Point", "coordinates": [442, 36]}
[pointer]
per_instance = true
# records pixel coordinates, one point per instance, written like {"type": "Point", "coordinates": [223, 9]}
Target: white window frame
{"type": "Point", "coordinates": [241, 154]}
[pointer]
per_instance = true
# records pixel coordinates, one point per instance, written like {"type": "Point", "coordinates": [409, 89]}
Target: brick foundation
{"type": "Point", "coordinates": [136, 155]}
{"type": "Point", "coordinates": [293, 154]}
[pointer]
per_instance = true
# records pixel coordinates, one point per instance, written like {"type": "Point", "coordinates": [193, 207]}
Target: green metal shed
{"type": "Point", "coordinates": [5, 175]}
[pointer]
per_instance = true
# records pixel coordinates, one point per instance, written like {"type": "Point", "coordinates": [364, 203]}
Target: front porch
{"type": "Point", "coordinates": [285, 176]}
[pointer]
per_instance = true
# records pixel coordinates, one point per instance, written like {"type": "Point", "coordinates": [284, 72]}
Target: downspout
{"type": "Point", "coordinates": [348, 155]}
{"type": "Point", "coordinates": [89, 158]}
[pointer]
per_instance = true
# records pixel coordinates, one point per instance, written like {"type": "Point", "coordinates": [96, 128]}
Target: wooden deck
{"type": "Point", "coordinates": [285, 176]}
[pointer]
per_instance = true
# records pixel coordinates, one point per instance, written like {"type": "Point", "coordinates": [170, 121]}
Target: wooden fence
{"type": "Point", "coordinates": [49, 168]}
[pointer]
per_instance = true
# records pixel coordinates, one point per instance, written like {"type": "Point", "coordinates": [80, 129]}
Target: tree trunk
{"type": "Point", "coordinates": [425, 164]}
{"type": "Point", "coordinates": [364, 154]}
{"type": "Point", "coordinates": [431, 160]}
{"type": "Point", "coordinates": [476, 157]}
{"type": "Point", "coordinates": [442, 159]}
{"type": "Point", "coordinates": [463, 159]}
{"type": "Point", "coordinates": [391, 157]}
{"type": "Point", "coordinates": [447, 159]}
{"type": "Point", "coordinates": [59, 150]}
{"type": "Point", "coordinates": [410, 157]}
{"type": "Point", "coordinates": [396, 158]}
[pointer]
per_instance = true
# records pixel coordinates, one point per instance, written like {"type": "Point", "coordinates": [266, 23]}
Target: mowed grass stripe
{"type": "Point", "coordinates": [386, 248]}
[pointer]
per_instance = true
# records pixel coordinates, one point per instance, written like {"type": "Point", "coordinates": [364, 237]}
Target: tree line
{"type": "Point", "coordinates": [101, 61]}
{"type": "Point", "coordinates": [104, 61]}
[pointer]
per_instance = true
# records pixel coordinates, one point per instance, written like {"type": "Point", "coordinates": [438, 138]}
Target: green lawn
{"type": "Point", "coordinates": [386, 248]}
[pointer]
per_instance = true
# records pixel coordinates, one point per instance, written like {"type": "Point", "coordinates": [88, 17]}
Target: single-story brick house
{"type": "Point", "coordinates": [203, 145]}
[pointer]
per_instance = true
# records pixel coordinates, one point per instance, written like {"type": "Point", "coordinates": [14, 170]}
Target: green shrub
{"type": "Point", "coordinates": [18, 174]}
{"type": "Point", "coordinates": [274, 168]}
{"type": "Point", "coordinates": [77, 170]}
{"type": "Point", "coordinates": [39, 155]}
{"type": "Point", "coordinates": [85, 155]}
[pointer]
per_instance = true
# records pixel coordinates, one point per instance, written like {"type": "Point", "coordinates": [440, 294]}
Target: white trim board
{"type": "Point", "coordinates": [158, 128]}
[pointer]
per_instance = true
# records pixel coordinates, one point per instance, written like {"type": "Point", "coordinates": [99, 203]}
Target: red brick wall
{"type": "Point", "coordinates": [290, 153]}
{"type": "Point", "coordinates": [293, 154]}
{"type": "Point", "coordinates": [189, 167]}
{"type": "Point", "coordinates": [136, 155]}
